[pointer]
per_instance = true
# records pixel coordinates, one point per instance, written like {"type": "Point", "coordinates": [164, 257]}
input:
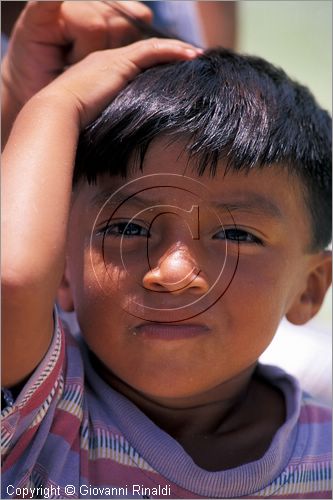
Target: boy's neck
{"type": "Point", "coordinates": [226, 427]}
{"type": "Point", "coordinates": [201, 414]}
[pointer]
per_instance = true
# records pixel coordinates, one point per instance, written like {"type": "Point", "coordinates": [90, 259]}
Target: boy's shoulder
{"type": "Point", "coordinates": [310, 410]}
{"type": "Point", "coordinates": [315, 424]}
{"type": "Point", "coordinates": [305, 440]}
{"type": "Point", "coordinates": [314, 411]}
{"type": "Point", "coordinates": [310, 419]}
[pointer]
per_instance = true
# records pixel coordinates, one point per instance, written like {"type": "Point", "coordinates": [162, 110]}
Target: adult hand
{"type": "Point", "coordinates": [51, 35]}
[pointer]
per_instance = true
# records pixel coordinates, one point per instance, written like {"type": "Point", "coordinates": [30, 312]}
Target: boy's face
{"type": "Point", "coordinates": [179, 282]}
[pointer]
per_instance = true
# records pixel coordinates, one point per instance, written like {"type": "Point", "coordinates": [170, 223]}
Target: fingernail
{"type": "Point", "coordinates": [191, 52]}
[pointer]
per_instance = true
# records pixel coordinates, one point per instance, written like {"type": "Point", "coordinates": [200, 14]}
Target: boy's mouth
{"type": "Point", "coordinates": [165, 331]}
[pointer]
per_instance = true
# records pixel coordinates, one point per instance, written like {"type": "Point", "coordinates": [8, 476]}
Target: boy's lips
{"type": "Point", "coordinates": [165, 331]}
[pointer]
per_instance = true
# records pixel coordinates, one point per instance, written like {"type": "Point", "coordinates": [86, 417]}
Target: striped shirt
{"type": "Point", "coordinates": [69, 435]}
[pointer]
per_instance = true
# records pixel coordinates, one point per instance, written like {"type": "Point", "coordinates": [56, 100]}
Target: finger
{"type": "Point", "coordinates": [120, 66]}
{"type": "Point", "coordinates": [137, 9]}
{"type": "Point", "coordinates": [39, 13]}
{"type": "Point", "coordinates": [40, 23]}
{"type": "Point", "coordinates": [156, 51]}
{"type": "Point", "coordinates": [92, 26]}
{"type": "Point", "coordinates": [85, 26]}
{"type": "Point", "coordinates": [124, 28]}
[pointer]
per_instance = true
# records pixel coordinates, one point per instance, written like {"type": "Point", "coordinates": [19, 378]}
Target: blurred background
{"type": "Point", "coordinates": [297, 36]}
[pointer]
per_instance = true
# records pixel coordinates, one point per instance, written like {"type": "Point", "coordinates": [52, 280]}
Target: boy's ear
{"type": "Point", "coordinates": [64, 295]}
{"type": "Point", "coordinates": [309, 300]}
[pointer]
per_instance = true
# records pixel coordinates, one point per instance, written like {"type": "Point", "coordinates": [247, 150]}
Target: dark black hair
{"type": "Point", "coordinates": [226, 105]}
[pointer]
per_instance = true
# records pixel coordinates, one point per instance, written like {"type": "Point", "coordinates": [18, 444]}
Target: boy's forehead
{"type": "Point", "coordinates": [234, 192]}
{"type": "Point", "coordinates": [147, 190]}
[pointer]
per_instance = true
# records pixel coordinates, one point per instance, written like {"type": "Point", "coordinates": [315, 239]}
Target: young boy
{"type": "Point", "coordinates": [188, 219]}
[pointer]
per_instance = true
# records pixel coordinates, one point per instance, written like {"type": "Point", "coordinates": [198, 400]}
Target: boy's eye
{"type": "Point", "coordinates": [125, 229]}
{"type": "Point", "coordinates": [237, 235]}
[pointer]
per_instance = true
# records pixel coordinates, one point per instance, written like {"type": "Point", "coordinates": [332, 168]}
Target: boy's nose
{"type": "Point", "coordinates": [176, 272]}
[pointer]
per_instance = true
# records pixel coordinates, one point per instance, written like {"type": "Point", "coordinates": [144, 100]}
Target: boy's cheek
{"type": "Point", "coordinates": [103, 289]}
{"type": "Point", "coordinates": [260, 291]}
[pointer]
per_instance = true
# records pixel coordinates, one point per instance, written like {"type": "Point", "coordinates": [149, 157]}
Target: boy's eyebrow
{"type": "Point", "coordinates": [251, 202]}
